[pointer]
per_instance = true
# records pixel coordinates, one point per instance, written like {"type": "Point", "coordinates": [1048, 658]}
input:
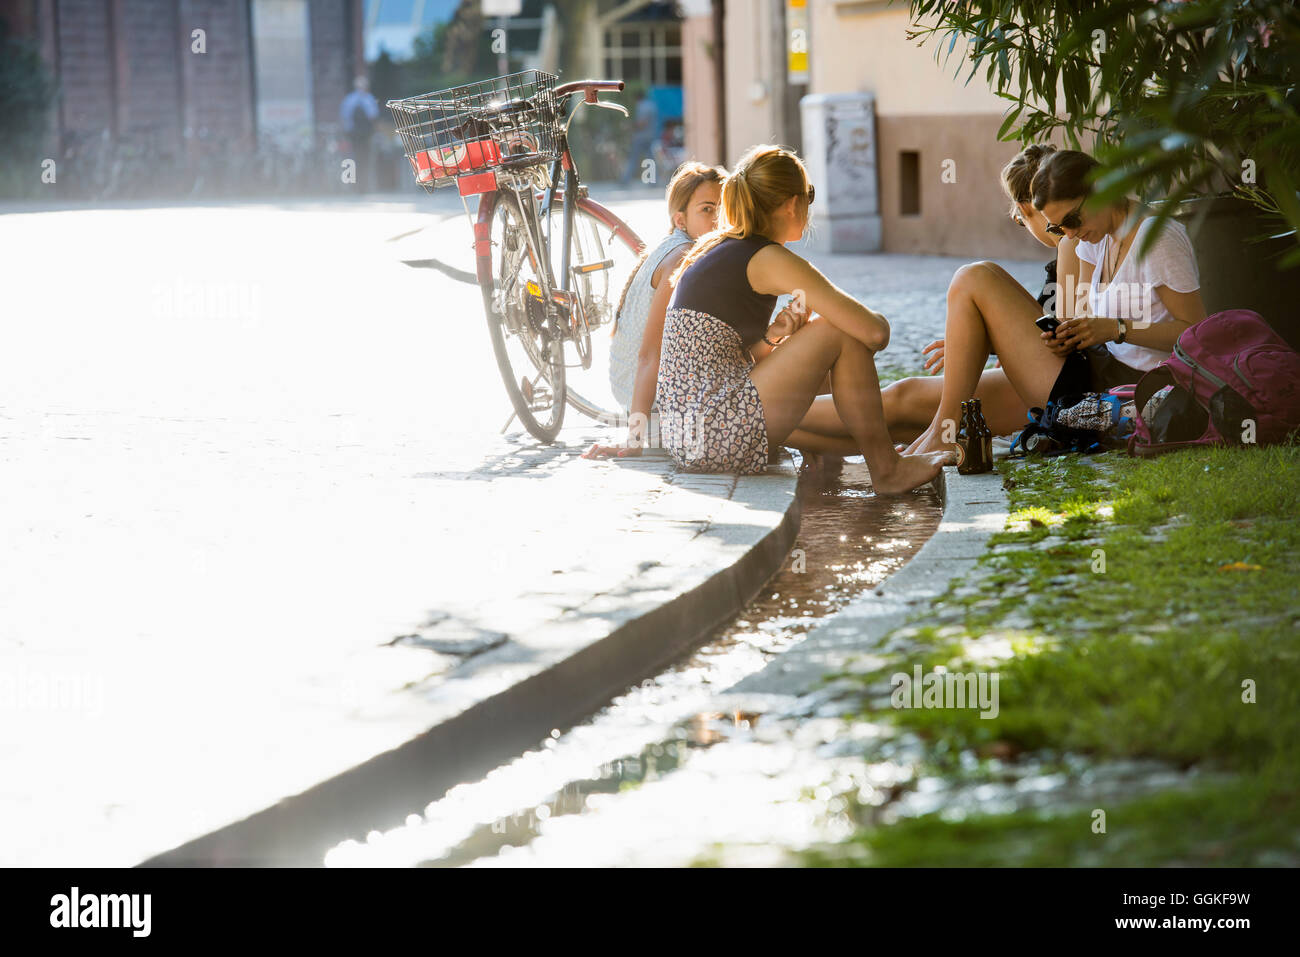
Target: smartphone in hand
{"type": "Point", "coordinates": [1047, 323]}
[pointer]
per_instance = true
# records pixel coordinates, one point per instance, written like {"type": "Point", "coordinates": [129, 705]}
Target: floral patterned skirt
{"type": "Point", "coordinates": [711, 416]}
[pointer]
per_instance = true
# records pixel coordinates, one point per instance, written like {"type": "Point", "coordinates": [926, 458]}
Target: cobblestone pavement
{"type": "Point", "coordinates": [243, 450]}
{"type": "Point", "coordinates": [911, 292]}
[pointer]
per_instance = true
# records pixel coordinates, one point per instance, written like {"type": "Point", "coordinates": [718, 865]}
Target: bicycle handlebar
{"type": "Point", "coordinates": [589, 88]}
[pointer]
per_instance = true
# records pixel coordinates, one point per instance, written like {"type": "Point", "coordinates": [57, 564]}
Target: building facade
{"type": "Point", "coordinates": [937, 152]}
{"type": "Point", "coordinates": [181, 78]}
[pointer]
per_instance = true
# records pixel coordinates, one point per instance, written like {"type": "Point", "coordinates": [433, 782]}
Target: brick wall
{"type": "Point", "coordinates": [218, 83]}
{"type": "Point", "coordinates": [331, 59]}
{"type": "Point", "coordinates": [85, 68]}
{"type": "Point", "coordinates": [126, 66]}
{"type": "Point", "coordinates": [147, 68]}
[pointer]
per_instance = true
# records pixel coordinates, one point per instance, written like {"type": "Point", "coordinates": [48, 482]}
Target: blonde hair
{"type": "Point", "coordinates": [689, 177]}
{"type": "Point", "coordinates": [1018, 174]}
{"type": "Point", "coordinates": [765, 177]}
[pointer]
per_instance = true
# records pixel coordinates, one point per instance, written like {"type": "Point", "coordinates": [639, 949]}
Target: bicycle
{"type": "Point", "coordinates": [546, 296]}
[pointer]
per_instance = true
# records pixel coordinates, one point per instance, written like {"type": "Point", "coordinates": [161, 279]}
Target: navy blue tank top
{"type": "Point", "coordinates": [716, 283]}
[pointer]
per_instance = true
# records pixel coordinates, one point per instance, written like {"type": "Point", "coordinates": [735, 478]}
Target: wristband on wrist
{"type": "Point", "coordinates": [1123, 330]}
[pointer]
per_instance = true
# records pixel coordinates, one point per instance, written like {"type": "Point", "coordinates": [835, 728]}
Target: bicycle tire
{"type": "Point", "coordinates": [590, 394]}
{"type": "Point", "coordinates": [506, 318]}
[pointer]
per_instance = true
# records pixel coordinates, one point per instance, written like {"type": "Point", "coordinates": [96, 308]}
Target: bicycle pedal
{"type": "Point", "coordinates": [541, 400]}
{"type": "Point", "coordinates": [583, 268]}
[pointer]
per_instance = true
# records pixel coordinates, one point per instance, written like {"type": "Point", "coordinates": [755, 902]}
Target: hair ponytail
{"type": "Point", "coordinates": [765, 177]}
{"type": "Point", "coordinates": [1018, 175]}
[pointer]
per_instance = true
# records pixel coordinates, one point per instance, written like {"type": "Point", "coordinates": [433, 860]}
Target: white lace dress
{"type": "Point", "coordinates": [626, 345]}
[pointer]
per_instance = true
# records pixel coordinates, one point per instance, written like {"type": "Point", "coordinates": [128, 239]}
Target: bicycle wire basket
{"type": "Point", "coordinates": [507, 122]}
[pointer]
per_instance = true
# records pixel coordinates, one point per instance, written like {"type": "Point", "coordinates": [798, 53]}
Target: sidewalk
{"type": "Point", "coordinates": [139, 752]}
{"type": "Point", "coordinates": [243, 455]}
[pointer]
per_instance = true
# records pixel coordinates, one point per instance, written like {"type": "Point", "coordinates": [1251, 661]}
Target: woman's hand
{"type": "Point", "coordinates": [1086, 331]}
{"type": "Point", "coordinates": [599, 451]}
{"type": "Point", "coordinates": [934, 364]}
{"type": "Point", "coordinates": [630, 448]}
{"type": "Point", "coordinates": [1058, 347]}
{"type": "Point", "coordinates": [787, 323]}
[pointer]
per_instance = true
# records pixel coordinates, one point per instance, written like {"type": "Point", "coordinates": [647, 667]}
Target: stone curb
{"type": "Point", "coordinates": [506, 700]}
{"type": "Point", "coordinates": [975, 507]}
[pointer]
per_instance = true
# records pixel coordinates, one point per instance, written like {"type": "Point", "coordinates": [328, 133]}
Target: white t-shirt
{"type": "Point", "coordinates": [1131, 294]}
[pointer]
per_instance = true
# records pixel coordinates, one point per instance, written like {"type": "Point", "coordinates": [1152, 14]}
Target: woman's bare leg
{"type": "Point", "coordinates": [787, 381]}
{"type": "Point", "coordinates": [910, 405]}
{"type": "Point", "coordinates": [819, 444]}
{"type": "Point", "coordinates": [1004, 410]}
{"type": "Point", "coordinates": [988, 310]}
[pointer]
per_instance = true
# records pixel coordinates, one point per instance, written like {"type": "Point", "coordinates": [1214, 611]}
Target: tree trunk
{"type": "Point", "coordinates": [582, 42]}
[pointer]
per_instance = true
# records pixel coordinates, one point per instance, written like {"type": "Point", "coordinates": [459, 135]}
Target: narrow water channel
{"type": "Point", "coordinates": [849, 541]}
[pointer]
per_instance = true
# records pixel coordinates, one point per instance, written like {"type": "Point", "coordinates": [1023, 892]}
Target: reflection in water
{"type": "Point", "coordinates": [849, 541]}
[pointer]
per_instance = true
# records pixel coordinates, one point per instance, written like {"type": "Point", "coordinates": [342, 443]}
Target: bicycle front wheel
{"type": "Point", "coordinates": [526, 337]}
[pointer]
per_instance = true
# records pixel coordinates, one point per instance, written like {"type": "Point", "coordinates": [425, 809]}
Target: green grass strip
{"type": "Point", "coordinates": [1143, 603]}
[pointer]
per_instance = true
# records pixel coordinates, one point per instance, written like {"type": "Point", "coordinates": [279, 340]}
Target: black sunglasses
{"type": "Point", "coordinates": [812, 192]}
{"type": "Point", "coordinates": [1070, 220]}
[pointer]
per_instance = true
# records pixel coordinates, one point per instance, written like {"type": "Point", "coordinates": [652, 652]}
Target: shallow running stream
{"type": "Point", "coordinates": [541, 807]}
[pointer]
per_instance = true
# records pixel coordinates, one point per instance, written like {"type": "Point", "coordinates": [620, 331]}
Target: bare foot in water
{"type": "Point", "coordinates": [910, 471]}
{"type": "Point", "coordinates": [929, 441]}
{"type": "Point", "coordinates": [828, 463]}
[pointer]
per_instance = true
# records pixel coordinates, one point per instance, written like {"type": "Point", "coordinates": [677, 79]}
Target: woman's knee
{"type": "Point", "coordinates": [825, 334]}
{"type": "Point", "coordinates": [973, 275]}
{"type": "Point", "coordinates": [906, 401]}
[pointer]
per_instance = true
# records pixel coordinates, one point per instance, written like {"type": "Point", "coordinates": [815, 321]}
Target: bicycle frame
{"type": "Point", "coordinates": [563, 167]}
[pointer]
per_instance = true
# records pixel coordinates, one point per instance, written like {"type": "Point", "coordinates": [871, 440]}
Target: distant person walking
{"type": "Point", "coordinates": [357, 114]}
{"type": "Point", "coordinates": [643, 138]}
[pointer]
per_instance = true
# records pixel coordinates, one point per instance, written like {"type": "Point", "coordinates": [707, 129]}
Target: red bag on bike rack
{"type": "Point", "coordinates": [446, 161]}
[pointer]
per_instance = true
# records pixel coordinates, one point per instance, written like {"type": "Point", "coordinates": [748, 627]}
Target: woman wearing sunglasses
{"type": "Point", "coordinates": [1130, 311]}
{"type": "Point", "coordinates": [910, 403]}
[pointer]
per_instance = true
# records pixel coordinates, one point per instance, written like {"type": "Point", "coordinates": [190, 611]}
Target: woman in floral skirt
{"type": "Point", "coordinates": [732, 383]}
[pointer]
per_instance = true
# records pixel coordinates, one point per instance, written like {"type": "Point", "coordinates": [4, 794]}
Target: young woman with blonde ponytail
{"type": "Point", "coordinates": [726, 396]}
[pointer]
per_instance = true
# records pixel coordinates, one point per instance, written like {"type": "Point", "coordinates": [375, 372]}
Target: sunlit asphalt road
{"type": "Point", "coordinates": [240, 447]}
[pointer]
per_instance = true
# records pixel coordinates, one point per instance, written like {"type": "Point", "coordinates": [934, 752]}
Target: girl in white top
{"type": "Point", "coordinates": [694, 195]}
{"type": "Point", "coordinates": [1084, 353]}
{"type": "Point", "coordinates": [1130, 292]}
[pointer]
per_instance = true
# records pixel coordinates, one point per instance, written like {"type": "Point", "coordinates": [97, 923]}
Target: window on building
{"type": "Point", "coordinates": [282, 70]}
{"type": "Point", "coordinates": [646, 52]}
{"type": "Point", "coordinates": [909, 183]}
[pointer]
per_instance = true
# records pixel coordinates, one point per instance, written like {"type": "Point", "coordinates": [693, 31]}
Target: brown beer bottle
{"type": "Point", "coordinates": [986, 434]}
{"type": "Point", "coordinates": [968, 443]}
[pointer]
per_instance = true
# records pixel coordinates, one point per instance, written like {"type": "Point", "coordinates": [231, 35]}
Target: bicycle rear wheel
{"type": "Point", "coordinates": [603, 253]}
{"type": "Point", "coordinates": [527, 340]}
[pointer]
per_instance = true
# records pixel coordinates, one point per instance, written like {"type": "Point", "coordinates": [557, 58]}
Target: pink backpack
{"type": "Point", "coordinates": [1234, 382]}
